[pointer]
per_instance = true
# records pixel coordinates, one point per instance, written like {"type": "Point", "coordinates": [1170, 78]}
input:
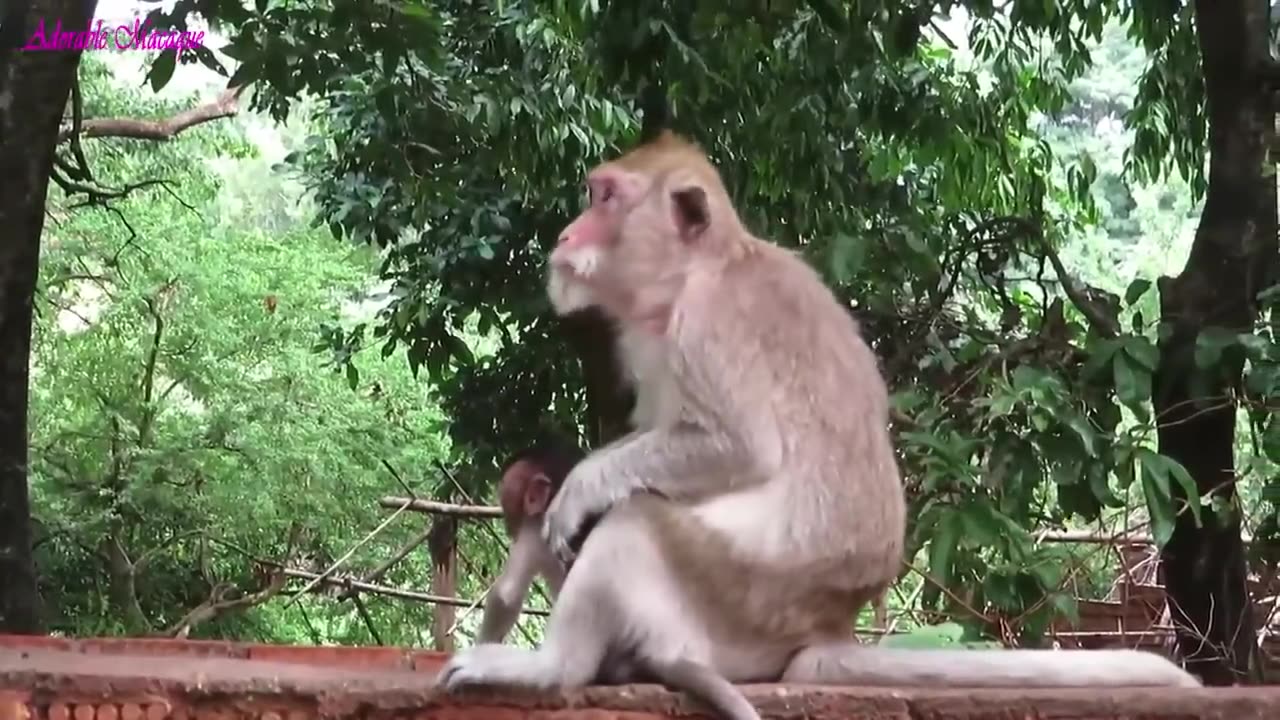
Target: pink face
{"type": "Point", "coordinates": [523, 494]}
{"type": "Point", "coordinates": [610, 195]}
{"type": "Point", "coordinates": [582, 248]}
{"type": "Point", "coordinates": [632, 275]}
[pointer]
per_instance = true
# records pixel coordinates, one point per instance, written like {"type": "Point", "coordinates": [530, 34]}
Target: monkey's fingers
{"type": "Point", "coordinates": [444, 680]}
{"type": "Point", "coordinates": [565, 539]}
{"type": "Point", "coordinates": [563, 551]}
{"type": "Point", "coordinates": [461, 672]}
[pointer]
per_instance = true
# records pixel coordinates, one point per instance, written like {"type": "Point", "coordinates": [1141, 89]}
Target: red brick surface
{"type": "Point", "coordinates": [129, 679]}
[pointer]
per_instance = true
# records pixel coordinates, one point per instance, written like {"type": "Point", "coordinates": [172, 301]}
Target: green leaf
{"type": "Point", "coordinates": [458, 349]}
{"type": "Point", "coordinates": [1001, 405]}
{"type": "Point", "coordinates": [1133, 383]}
{"type": "Point", "coordinates": [162, 69]}
{"type": "Point", "coordinates": [1124, 468]}
{"type": "Point", "coordinates": [1085, 432]}
{"type": "Point", "coordinates": [1209, 345]}
{"type": "Point", "coordinates": [1258, 347]}
{"type": "Point", "coordinates": [1156, 489]}
{"type": "Point", "coordinates": [847, 255]}
{"type": "Point", "coordinates": [1100, 485]}
{"type": "Point", "coordinates": [1136, 290]}
{"type": "Point", "coordinates": [245, 74]}
{"type": "Point", "coordinates": [1263, 379]}
{"type": "Point", "coordinates": [1271, 439]}
{"type": "Point", "coordinates": [1026, 377]}
{"type": "Point", "coordinates": [1174, 469]}
{"type": "Point", "coordinates": [943, 545]}
{"type": "Point", "coordinates": [1065, 605]}
{"type": "Point", "coordinates": [981, 523]}
{"type": "Point", "coordinates": [1143, 352]}
{"type": "Point", "coordinates": [353, 376]}
{"type": "Point", "coordinates": [1268, 294]}
{"type": "Point", "coordinates": [1099, 358]}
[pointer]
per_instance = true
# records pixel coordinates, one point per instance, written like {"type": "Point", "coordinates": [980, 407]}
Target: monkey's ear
{"type": "Point", "coordinates": [537, 495]}
{"type": "Point", "coordinates": [692, 211]}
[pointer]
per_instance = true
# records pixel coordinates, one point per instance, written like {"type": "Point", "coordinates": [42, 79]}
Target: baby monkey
{"type": "Point", "coordinates": [531, 479]}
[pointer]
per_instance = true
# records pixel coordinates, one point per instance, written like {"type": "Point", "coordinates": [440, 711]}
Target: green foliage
{"type": "Point", "coordinates": [966, 183]}
{"type": "Point", "coordinates": [942, 635]}
{"type": "Point", "coordinates": [181, 422]}
{"type": "Point", "coordinates": [912, 173]}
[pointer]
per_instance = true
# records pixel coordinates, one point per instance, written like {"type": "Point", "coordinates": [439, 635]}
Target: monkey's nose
{"type": "Point", "coordinates": [560, 255]}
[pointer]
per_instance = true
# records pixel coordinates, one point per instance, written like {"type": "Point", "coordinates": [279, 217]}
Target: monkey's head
{"type": "Point", "coordinates": [532, 477]}
{"type": "Point", "coordinates": [650, 214]}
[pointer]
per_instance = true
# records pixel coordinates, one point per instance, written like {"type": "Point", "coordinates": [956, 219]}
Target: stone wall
{"type": "Point", "coordinates": [135, 679]}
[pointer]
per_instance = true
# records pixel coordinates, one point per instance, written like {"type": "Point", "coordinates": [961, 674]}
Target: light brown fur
{"type": "Point", "coordinates": [724, 292]}
{"type": "Point", "coordinates": [785, 511]}
{"type": "Point", "coordinates": [526, 486]}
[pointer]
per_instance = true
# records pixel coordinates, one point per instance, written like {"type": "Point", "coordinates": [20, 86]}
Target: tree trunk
{"type": "Point", "coordinates": [33, 93]}
{"type": "Point", "coordinates": [1230, 262]}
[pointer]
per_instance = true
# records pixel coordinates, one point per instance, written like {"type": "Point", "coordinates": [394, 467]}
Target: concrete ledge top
{"type": "Point", "coordinates": [155, 680]}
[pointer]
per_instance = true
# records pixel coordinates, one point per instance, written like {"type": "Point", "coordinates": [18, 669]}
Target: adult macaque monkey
{"type": "Point", "coordinates": [760, 580]}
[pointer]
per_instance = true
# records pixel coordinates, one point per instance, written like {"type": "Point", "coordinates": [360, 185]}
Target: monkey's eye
{"type": "Point", "coordinates": [599, 193]}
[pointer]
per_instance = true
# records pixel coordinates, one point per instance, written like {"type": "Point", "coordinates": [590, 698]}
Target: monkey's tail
{"type": "Point", "coordinates": [849, 663]}
{"type": "Point", "coordinates": [705, 684]}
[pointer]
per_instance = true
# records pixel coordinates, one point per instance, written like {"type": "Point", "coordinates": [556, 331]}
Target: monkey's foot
{"type": "Point", "coordinates": [494, 665]}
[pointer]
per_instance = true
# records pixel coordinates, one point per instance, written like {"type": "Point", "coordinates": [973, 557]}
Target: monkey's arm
{"type": "Point", "coordinates": [684, 462]}
{"type": "Point", "coordinates": [502, 606]}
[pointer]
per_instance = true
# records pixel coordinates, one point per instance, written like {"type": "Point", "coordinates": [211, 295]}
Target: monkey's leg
{"type": "Point", "coordinates": [849, 663]}
{"type": "Point", "coordinates": [705, 684]}
{"type": "Point", "coordinates": [586, 621]}
{"type": "Point", "coordinates": [571, 655]}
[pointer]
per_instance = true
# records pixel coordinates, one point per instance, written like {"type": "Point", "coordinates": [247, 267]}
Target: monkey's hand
{"type": "Point", "coordinates": [584, 497]}
{"type": "Point", "coordinates": [493, 664]}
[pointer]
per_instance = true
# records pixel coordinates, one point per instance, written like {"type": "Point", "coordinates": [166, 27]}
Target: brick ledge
{"type": "Point", "coordinates": [130, 679]}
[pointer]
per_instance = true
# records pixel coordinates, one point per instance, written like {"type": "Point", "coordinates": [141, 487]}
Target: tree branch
{"type": "Point", "coordinates": [227, 104]}
{"type": "Point", "coordinates": [219, 603]}
{"type": "Point", "coordinates": [1078, 295]}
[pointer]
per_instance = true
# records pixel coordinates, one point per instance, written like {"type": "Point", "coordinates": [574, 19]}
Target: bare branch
{"type": "Point", "coordinates": [389, 591]}
{"type": "Point", "coordinates": [1077, 294]}
{"type": "Point", "coordinates": [219, 603]}
{"type": "Point", "coordinates": [227, 104]}
{"type": "Point", "coordinates": [1091, 538]}
{"type": "Point", "coordinates": [140, 565]}
{"type": "Point", "coordinates": [338, 563]}
{"type": "Point", "coordinates": [431, 507]}
{"type": "Point", "coordinates": [376, 574]}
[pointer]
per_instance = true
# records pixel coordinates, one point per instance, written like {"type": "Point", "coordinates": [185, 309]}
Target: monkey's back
{"type": "Point", "coordinates": [774, 356]}
{"type": "Point", "coordinates": [795, 374]}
